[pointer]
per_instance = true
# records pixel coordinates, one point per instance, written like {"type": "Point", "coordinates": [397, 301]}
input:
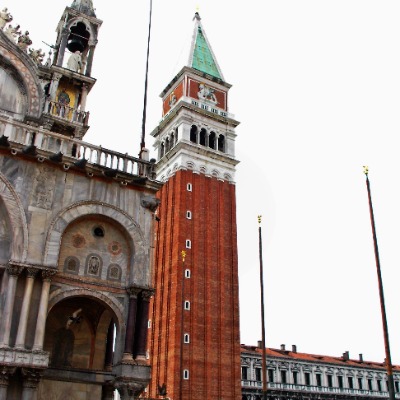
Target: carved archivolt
{"type": "Point", "coordinates": [16, 213]}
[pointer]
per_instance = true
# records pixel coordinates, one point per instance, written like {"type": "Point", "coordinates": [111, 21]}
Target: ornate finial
{"type": "Point", "coordinates": [183, 254]}
{"type": "Point", "coordinates": [259, 219]}
{"type": "Point", "coordinates": [365, 167]}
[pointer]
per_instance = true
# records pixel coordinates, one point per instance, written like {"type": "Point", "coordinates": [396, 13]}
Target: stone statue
{"type": "Point", "coordinates": [24, 41]}
{"type": "Point", "coordinates": [5, 17]}
{"type": "Point", "coordinates": [75, 61]}
{"type": "Point", "coordinates": [12, 32]}
{"type": "Point", "coordinates": [37, 56]}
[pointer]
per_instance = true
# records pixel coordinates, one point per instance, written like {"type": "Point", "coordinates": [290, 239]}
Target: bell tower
{"type": "Point", "coordinates": [71, 69]}
{"type": "Point", "coordinates": [195, 344]}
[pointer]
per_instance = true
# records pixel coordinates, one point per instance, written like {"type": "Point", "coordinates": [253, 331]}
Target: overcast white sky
{"type": "Point", "coordinates": [316, 86]}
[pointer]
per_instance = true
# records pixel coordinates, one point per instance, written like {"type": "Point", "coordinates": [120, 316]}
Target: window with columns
{"type": "Point", "coordinates": [210, 139]}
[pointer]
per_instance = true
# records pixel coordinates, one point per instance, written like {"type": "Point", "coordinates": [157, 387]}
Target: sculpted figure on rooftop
{"type": "Point", "coordinates": [5, 17]}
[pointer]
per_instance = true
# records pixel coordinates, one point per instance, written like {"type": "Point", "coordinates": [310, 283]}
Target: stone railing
{"type": "Point", "coordinates": [66, 112]}
{"type": "Point", "coordinates": [203, 105]}
{"type": "Point", "coordinates": [319, 389]}
{"type": "Point", "coordinates": [41, 142]}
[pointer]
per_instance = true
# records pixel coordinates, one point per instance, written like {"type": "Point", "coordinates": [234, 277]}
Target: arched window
{"type": "Point", "coordinates": [185, 374]}
{"type": "Point", "coordinates": [187, 273]}
{"type": "Point", "coordinates": [167, 145]}
{"type": "Point", "coordinates": [203, 137]}
{"type": "Point", "coordinates": [221, 143]}
{"type": "Point", "coordinates": [193, 134]}
{"type": "Point", "coordinates": [211, 140]}
{"type": "Point", "coordinates": [162, 150]}
{"type": "Point", "coordinates": [188, 214]}
{"type": "Point", "coordinates": [186, 338]}
{"type": "Point", "coordinates": [188, 244]}
{"type": "Point", "coordinates": [186, 305]}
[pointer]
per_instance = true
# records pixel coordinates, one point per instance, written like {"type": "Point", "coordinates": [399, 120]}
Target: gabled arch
{"type": "Point", "coordinates": [140, 273]}
{"type": "Point", "coordinates": [15, 210]}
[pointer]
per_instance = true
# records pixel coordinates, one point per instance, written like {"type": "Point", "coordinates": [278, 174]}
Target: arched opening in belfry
{"type": "Point", "coordinates": [203, 137]}
{"type": "Point", "coordinates": [193, 134]}
{"type": "Point", "coordinates": [78, 38]}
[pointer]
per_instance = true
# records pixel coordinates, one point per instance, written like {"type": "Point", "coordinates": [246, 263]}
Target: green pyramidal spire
{"type": "Point", "coordinates": [201, 55]}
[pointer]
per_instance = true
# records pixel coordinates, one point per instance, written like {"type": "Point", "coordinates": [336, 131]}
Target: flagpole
{"type": "Point", "coordinates": [389, 368]}
{"type": "Point", "coordinates": [264, 357]}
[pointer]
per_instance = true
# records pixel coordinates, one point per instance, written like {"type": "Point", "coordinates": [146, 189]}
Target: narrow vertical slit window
{"type": "Point", "coordinates": [186, 305]}
{"type": "Point", "coordinates": [187, 273]}
{"type": "Point", "coordinates": [188, 214]}
{"type": "Point", "coordinates": [188, 244]}
{"type": "Point", "coordinates": [186, 338]}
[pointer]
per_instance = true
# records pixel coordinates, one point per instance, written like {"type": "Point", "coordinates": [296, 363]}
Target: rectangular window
{"type": "Point", "coordinates": [307, 380]}
{"type": "Point", "coordinates": [185, 374]}
{"type": "Point", "coordinates": [283, 376]}
{"type": "Point", "coordinates": [379, 384]}
{"type": "Point", "coordinates": [360, 383]}
{"type": "Point", "coordinates": [189, 187]}
{"type": "Point", "coordinates": [319, 379]}
{"type": "Point", "coordinates": [369, 384]}
{"type": "Point", "coordinates": [270, 375]}
{"type": "Point", "coordinates": [186, 306]}
{"type": "Point", "coordinates": [188, 244]}
{"type": "Point", "coordinates": [295, 377]}
{"type": "Point", "coordinates": [340, 381]}
{"type": "Point", "coordinates": [396, 386]}
{"type": "Point", "coordinates": [350, 382]}
{"type": "Point", "coordinates": [244, 373]}
{"type": "Point", "coordinates": [258, 374]}
{"type": "Point", "coordinates": [330, 381]}
{"type": "Point", "coordinates": [187, 273]}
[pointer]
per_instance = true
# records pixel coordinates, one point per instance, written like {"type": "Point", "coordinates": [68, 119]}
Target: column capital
{"type": "Point", "coordinates": [48, 274]}
{"type": "Point", "coordinates": [13, 269]}
{"type": "Point", "coordinates": [147, 294]}
{"type": "Point", "coordinates": [134, 291]}
{"type": "Point", "coordinates": [31, 377]}
{"type": "Point", "coordinates": [5, 373]}
{"type": "Point", "coordinates": [31, 272]}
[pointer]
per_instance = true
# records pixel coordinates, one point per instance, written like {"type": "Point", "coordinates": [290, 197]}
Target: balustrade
{"type": "Point", "coordinates": [51, 142]}
{"type": "Point", "coordinates": [66, 112]}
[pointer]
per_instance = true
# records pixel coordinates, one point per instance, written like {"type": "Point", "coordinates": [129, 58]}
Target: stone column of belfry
{"type": "Point", "coordinates": [26, 302]}
{"type": "Point", "coordinates": [131, 322]}
{"type": "Point", "coordinates": [63, 45]}
{"type": "Point", "coordinates": [42, 314]}
{"type": "Point", "coordinates": [90, 59]}
{"type": "Point", "coordinates": [13, 273]}
{"type": "Point", "coordinates": [141, 338]}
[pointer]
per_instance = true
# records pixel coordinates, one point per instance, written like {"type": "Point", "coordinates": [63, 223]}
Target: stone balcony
{"type": "Point", "coordinates": [25, 140]}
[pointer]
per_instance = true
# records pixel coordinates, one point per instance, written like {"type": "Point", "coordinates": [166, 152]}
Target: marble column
{"type": "Point", "coordinates": [130, 325]}
{"type": "Point", "coordinates": [31, 379]}
{"type": "Point", "coordinates": [42, 315]}
{"type": "Point", "coordinates": [84, 97]}
{"type": "Point", "coordinates": [90, 60]}
{"type": "Point", "coordinates": [61, 50]}
{"type": "Point", "coordinates": [142, 324]}
{"type": "Point", "coordinates": [26, 302]}
{"type": "Point", "coordinates": [13, 273]}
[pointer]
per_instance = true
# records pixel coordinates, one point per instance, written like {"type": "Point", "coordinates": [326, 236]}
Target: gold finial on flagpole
{"type": "Point", "coordinates": [259, 219]}
{"type": "Point", "coordinates": [183, 254]}
{"type": "Point", "coordinates": [365, 167]}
